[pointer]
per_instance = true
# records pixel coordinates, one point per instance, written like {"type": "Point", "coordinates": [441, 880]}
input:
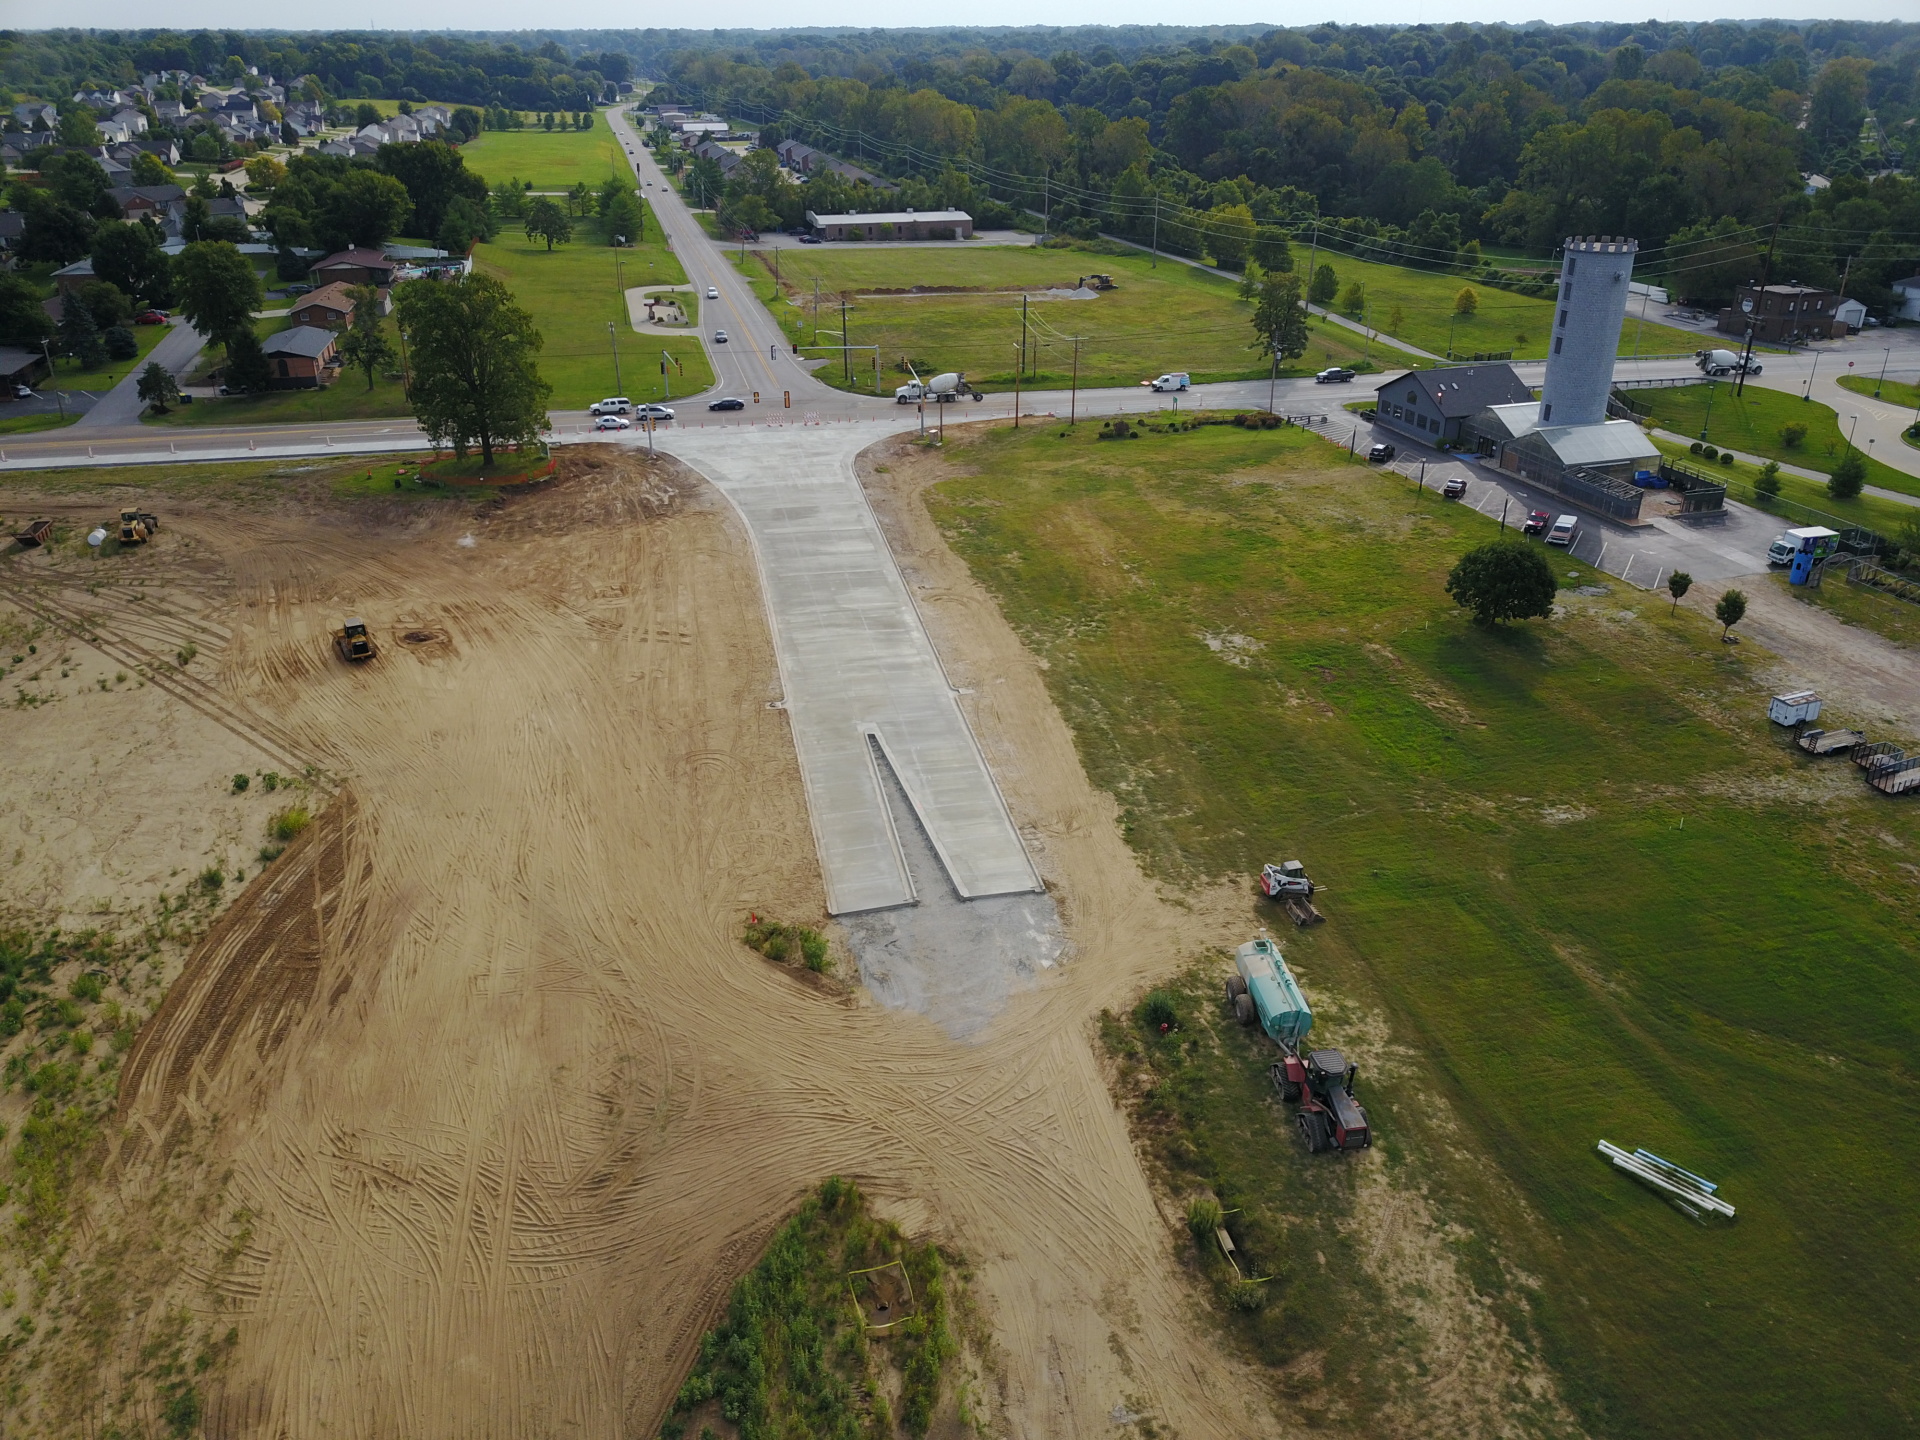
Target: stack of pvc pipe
{"type": "Point", "coordinates": [1685, 1189]}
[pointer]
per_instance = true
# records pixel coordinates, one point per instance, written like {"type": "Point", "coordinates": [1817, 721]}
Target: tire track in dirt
{"type": "Point", "coordinates": [501, 1182]}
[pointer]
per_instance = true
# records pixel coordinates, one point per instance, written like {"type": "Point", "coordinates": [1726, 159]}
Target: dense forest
{"type": "Point", "coordinates": [1461, 145]}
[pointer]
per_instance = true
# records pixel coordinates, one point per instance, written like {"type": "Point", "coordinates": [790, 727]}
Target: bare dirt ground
{"type": "Point", "coordinates": [1861, 673]}
{"type": "Point", "coordinates": [486, 1102]}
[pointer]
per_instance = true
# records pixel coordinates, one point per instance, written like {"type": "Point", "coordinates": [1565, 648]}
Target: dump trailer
{"type": "Point", "coordinates": [34, 532]}
{"type": "Point", "coordinates": [1829, 742]}
{"type": "Point", "coordinates": [137, 527]}
{"type": "Point", "coordinates": [353, 642]}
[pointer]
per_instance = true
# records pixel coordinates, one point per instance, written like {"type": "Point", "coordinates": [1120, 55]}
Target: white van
{"type": "Point", "coordinates": [613, 405]}
{"type": "Point", "coordinates": [1176, 380]}
{"type": "Point", "coordinates": [1562, 531]}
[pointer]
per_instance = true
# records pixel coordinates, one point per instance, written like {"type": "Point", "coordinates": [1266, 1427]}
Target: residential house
{"type": "Point", "coordinates": [804, 159]}
{"type": "Point", "coordinates": [164, 204]}
{"type": "Point", "coordinates": [20, 367]}
{"type": "Point", "coordinates": [1434, 406]}
{"type": "Point", "coordinates": [133, 121]}
{"type": "Point", "coordinates": [894, 224]}
{"type": "Point", "coordinates": [99, 99]}
{"type": "Point", "coordinates": [354, 267]}
{"type": "Point", "coordinates": [328, 308]}
{"type": "Point", "coordinates": [171, 112]}
{"type": "Point", "coordinates": [36, 115]}
{"type": "Point", "coordinates": [1783, 314]}
{"type": "Point", "coordinates": [1906, 298]}
{"type": "Point", "coordinates": [303, 358]}
{"type": "Point", "coordinates": [13, 225]}
{"type": "Point", "coordinates": [726, 159]}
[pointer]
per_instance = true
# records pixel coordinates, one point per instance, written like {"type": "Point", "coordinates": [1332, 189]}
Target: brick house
{"type": "Point", "coordinates": [330, 307]}
{"type": "Point", "coordinates": [1782, 314]}
{"type": "Point", "coordinates": [354, 267]}
{"type": "Point", "coordinates": [302, 358]}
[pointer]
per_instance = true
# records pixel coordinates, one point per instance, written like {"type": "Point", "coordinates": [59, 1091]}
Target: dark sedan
{"type": "Point", "coordinates": [730, 403]}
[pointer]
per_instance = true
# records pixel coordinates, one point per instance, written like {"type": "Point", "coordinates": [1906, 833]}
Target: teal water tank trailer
{"type": "Point", "coordinates": [1270, 992]}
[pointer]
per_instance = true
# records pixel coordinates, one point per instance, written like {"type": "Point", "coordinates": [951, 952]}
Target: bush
{"type": "Point", "coordinates": [784, 943]}
{"type": "Point", "coordinates": [1792, 434]}
{"type": "Point", "coordinates": [289, 823]}
{"type": "Point", "coordinates": [1708, 452]}
{"type": "Point", "coordinates": [1767, 483]}
{"type": "Point", "coordinates": [1204, 1216]}
{"type": "Point", "coordinates": [212, 878]}
{"type": "Point", "coordinates": [121, 344]}
{"type": "Point", "coordinates": [1726, 457]}
{"type": "Point", "coordinates": [1246, 1296]}
{"type": "Point", "coordinates": [1695, 448]}
{"type": "Point", "coordinates": [1848, 476]}
{"type": "Point", "coordinates": [240, 783]}
{"type": "Point", "coordinates": [86, 987]}
{"type": "Point", "coordinates": [1158, 1012]}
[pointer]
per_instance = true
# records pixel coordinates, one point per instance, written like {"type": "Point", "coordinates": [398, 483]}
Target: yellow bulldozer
{"type": "Point", "coordinates": [137, 527]}
{"type": "Point", "coordinates": [353, 642]}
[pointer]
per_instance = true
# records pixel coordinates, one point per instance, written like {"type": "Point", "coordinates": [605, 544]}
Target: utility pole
{"type": "Point", "coordinates": [1023, 334]}
{"type": "Point", "coordinates": [1073, 401]}
{"type": "Point", "coordinates": [1154, 264]}
{"type": "Point", "coordinates": [846, 355]}
{"type": "Point", "coordinates": [1766, 278]}
{"type": "Point", "coordinates": [1272, 381]}
{"type": "Point", "coordinates": [816, 311]}
{"type": "Point", "coordinates": [1016, 404]}
{"type": "Point", "coordinates": [1306, 291]}
{"type": "Point", "coordinates": [614, 337]}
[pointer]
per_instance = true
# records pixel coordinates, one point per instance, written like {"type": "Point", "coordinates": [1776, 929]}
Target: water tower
{"type": "Point", "coordinates": [1586, 329]}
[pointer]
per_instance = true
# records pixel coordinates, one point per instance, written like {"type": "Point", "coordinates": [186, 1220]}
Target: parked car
{"type": "Point", "coordinates": [612, 422]}
{"type": "Point", "coordinates": [22, 392]}
{"type": "Point", "coordinates": [1562, 531]}
{"type": "Point", "coordinates": [719, 337]}
{"type": "Point", "coordinates": [1536, 523]}
{"type": "Point", "coordinates": [297, 289]}
{"type": "Point", "coordinates": [1336, 375]}
{"type": "Point", "coordinates": [1381, 453]}
{"type": "Point", "coordinates": [809, 239]}
{"type": "Point", "coordinates": [1174, 380]}
{"type": "Point", "coordinates": [151, 317]}
{"type": "Point", "coordinates": [1455, 489]}
{"type": "Point", "coordinates": [652, 412]}
{"type": "Point", "coordinates": [713, 292]}
{"type": "Point", "coordinates": [612, 405]}
{"type": "Point", "coordinates": [731, 402]}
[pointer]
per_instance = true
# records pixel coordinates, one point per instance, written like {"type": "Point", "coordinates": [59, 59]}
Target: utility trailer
{"type": "Point", "coordinates": [1287, 882]}
{"type": "Point", "coordinates": [1829, 742]}
{"type": "Point", "coordinates": [1320, 1082]}
{"type": "Point", "coordinates": [1898, 777]}
{"type": "Point", "coordinates": [1867, 757]}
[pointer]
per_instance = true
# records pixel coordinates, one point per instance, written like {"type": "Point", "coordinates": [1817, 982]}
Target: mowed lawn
{"type": "Point", "coordinates": [552, 160]}
{"type": "Point", "coordinates": [1753, 421]}
{"type": "Point", "coordinates": [574, 291]}
{"type": "Point", "coordinates": [1501, 320]}
{"type": "Point", "coordinates": [1591, 892]}
{"type": "Point", "coordinates": [1169, 317]}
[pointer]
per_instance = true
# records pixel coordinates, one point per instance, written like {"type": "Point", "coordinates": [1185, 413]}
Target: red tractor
{"type": "Point", "coordinates": [1321, 1084]}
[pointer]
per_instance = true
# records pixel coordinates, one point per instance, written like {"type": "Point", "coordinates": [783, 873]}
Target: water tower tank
{"type": "Point", "coordinates": [1586, 329]}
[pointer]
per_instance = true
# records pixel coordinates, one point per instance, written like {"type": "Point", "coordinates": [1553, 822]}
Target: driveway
{"type": "Point", "coordinates": [121, 405]}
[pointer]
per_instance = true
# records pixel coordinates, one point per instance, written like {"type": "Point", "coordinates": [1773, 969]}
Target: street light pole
{"type": "Point", "coordinates": [613, 337]}
{"type": "Point", "coordinates": [1850, 429]}
{"type": "Point", "coordinates": [1884, 356]}
{"type": "Point", "coordinates": [1807, 394]}
{"type": "Point", "coordinates": [1707, 423]}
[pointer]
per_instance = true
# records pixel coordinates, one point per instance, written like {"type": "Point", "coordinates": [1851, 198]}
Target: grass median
{"type": "Point", "coordinates": [1591, 892]}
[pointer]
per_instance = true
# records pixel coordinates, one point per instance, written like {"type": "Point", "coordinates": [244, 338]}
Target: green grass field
{"type": "Point", "coordinates": [1752, 421]}
{"type": "Point", "coordinates": [1892, 392]}
{"type": "Point", "coordinates": [28, 424]}
{"type": "Point", "coordinates": [1502, 321]}
{"type": "Point", "coordinates": [1172, 317]}
{"type": "Point", "coordinates": [347, 398]}
{"type": "Point", "coordinates": [1588, 889]}
{"type": "Point", "coordinates": [551, 160]}
{"type": "Point", "coordinates": [1898, 620]}
{"type": "Point", "coordinates": [574, 292]}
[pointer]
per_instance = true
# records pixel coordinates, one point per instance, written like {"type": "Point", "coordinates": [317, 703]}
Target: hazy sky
{"type": "Point", "coordinates": [750, 14]}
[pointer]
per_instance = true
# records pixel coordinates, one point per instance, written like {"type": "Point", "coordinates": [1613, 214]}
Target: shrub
{"type": "Point", "coordinates": [1726, 457]}
{"type": "Point", "coordinates": [240, 783]}
{"type": "Point", "coordinates": [212, 878]}
{"type": "Point", "coordinates": [1792, 434]}
{"type": "Point", "coordinates": [1848, 476]}
{"type": "Point", "coordinates": [1696, 447]}
{"type": "Point", "coordinates": [1158, 1012]}
{"type": "Point", "coordinates": [1767, 483]}
{"type": "Point", "coordinates": [783, 943]}
{"type": "Point", "coordinates": [1204, 1216]}
{"type": "Point", "coordinates": [289, 823]}
{"type": "Point", "coordinates": [1246, 1295]}
{"type": "Point", "coordinates": [86, 986]}
{"type": "Point", "coordinates": [1709, 452]}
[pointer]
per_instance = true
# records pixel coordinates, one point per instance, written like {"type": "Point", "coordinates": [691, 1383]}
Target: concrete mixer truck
{"type": "Point", "coordinates": [952, 385]}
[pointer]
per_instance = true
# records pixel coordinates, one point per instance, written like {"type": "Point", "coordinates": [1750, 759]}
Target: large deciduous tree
{"type": "Point", "coordinates": [547, 221]}
{"type": "Point", "coordinates": [218, 290]}
{"type": "Point", "coordinates": [1279, 322]}
{"type": "Point", "coordinates": [475, 377]}
{"type": "Point", "coordinates": [1503, 580]}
